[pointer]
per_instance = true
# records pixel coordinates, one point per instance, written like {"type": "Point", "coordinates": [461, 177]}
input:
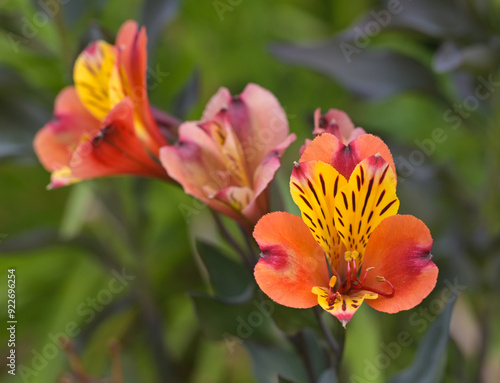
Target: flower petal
{"type": "Point", "coordinates": [259, 121]}
{"type": "Point", "coordinates": [131, 70]}
{"type": "Point", "coordinates": [197, 165]}
{"type": "Point", "coordinates": [56, 141]}
{"type": "Point", "coordinates": [368, 197]}
{"type": "Point", "coordinates": [314, 185]}
{"type": "Point", "coordinates": [92, 74]}
{"type": "Point", "coordinates": [338, 123]}
{"type": "Point", "coordinates": [291, 263]}
{"type": "Point", "coordinates": [131, 43]}
{"type": "Point", "coordinates": [399, 251]}
{"type": "Point", "coordinates": [115, 150]}
{"type": "Point", "coordinates": [344, 158]}
{"type": "Point", "coordinates": [219, 101]}
{"type": "Point", "coordinates": [345, 305]}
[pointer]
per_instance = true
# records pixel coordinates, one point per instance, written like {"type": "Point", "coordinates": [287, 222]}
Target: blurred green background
{"type": "Point", "coordinates": [411, 77]}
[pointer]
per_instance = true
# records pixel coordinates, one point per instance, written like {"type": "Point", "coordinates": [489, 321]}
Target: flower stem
{"type": "Point", "coordinates": [250, 246]}
{"type": "Point", "coordinates": [299, 343]}
{"type": "Point", "coordinates": [336, 347]}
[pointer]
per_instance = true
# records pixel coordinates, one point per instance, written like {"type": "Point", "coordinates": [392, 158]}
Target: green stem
{"type": "Point", "coordinates": [335, 346]}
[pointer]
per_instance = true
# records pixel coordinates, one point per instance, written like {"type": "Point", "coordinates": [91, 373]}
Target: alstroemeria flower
{"type": "Point", "coordinates": [349, 246]}
{"type": "Point", "coordinates": [104, 124]}
{"type": "Point", "coordinates": [229, 158]}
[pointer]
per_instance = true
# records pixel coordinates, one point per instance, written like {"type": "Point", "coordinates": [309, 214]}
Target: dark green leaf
{"type": "Point", "coordinates": [228, 278]}
{"type": "Point", "coordinates": [27, 241]}
{"type": "Point", "coordinates": [428, 363]}
{"type": "Point", "coordinates": [235, 323]}
{"type": "Point", "coordinates": [367, 73]}
{"type": "Point", "coordinates": [291, 321]}
{"type": "Point", "coordinates": [188, 96]}
{"type": "Point", "coordinates": [440, 19]}
{"type": "Point", "coordinates": [273, 365]}
{"type": "Point", "coordinates": [156, 14]}
{"type": "Point", "coordinates": [328, 376]}
{"type": "Point", "coordinates": [284, 380]}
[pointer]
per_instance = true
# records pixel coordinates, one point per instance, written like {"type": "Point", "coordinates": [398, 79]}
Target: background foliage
{"type": "Point", "coordinates": [413, 81]}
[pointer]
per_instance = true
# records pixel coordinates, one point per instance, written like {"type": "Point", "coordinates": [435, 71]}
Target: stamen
{"type": "Point", "coordinates": [333, 281]}
{"type": "Point", "coordinates": [366, 273]}
{"type": "Point", "coordinates": [348, 256]}
{"type": "Point", "coordinates": [380, 279]}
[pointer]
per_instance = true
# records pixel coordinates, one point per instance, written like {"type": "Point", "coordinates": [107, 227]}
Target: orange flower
{"type": "Point", "coordinates": [229, 158]}
{"type": "Point", "coordinates": [349, 246]}
{"type": "Point", "coordinates": [104, 124]}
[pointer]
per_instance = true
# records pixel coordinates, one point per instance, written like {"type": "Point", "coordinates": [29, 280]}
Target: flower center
{"type": "Point", "coordinates": [352, 282]}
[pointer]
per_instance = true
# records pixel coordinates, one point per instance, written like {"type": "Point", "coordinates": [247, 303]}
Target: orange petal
{"type": "Point", "coordinates": [368, 198]}
{"type": "Point", "coordinates": [131, 44]}
{"type": "Point", "coordinates": [399, 251]}
{"type": "Point", "coordinates": [291, 263]}
{"type": "Point", "coordinates": [344, 158]}
{"type": "Point", "coordinates": [58, 139]}
{"type": "Point", "coordinates": [314, 185]}
{"type": "Point", "coordinates": [115, 150]}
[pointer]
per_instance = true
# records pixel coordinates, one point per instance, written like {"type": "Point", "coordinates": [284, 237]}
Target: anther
{"type": "Point", "coordinates": [348, 256]}
{"type": "Point", "coordinates": [333, 281]}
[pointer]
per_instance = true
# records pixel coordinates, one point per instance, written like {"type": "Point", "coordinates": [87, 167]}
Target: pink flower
{"type": "Point", "coordinates": [335, 122]}
{"type": "Point", "coordinates": [229, 158]}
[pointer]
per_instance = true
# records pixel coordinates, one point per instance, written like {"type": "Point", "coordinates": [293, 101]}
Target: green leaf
{"type": "Point", "coordinates": [27, 241]}
{"type": "Point", "coordinates": [274, 365]}
{"type": "Point", "coordinates": [79, 204]}
{"type": "Point", "coordinates": [228, 278]}
{"type": "Point", "coordinates": [284, 380]}
{"type": "Point", "coordinates": [328, 376]}
{"type": "Point", "coordinates": [291, 321]}
{"type": "Point", "coordinates": [369, 73]}
{"type": "Point", "coordinates": [235, 323]}
{"type": "Point", "coordinates": [428, 364]}
{"type": "Point", "coordinates": [156, 14]}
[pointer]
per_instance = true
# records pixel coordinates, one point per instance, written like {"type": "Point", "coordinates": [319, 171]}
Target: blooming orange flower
{"type": "Point", "coordinates": [104, 124]}
{"type": "Point", "coordinates": [349, 246]}
{"type": "Point", "coordinates": [229, 158]}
